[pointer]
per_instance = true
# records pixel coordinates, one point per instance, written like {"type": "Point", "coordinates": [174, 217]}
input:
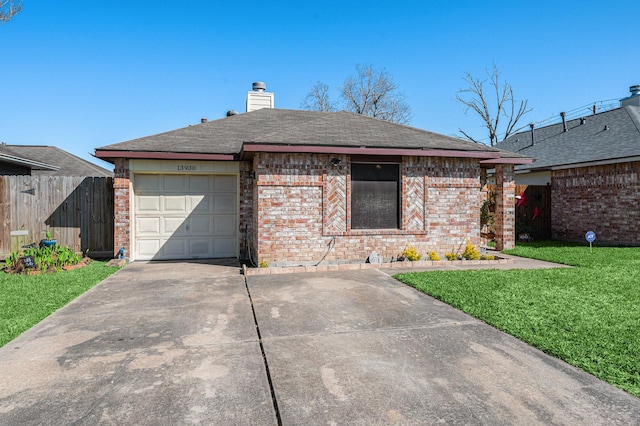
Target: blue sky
{"type": "Point", "coordinates": [80, 75]}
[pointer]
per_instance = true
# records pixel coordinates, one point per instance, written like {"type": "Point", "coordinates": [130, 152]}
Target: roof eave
{"type": "Point", "coordinates": [110, 156]}
{"type": "Point", "coordinates": [505, 160]}
{"type": "Point", "coordinates": [34, 165]}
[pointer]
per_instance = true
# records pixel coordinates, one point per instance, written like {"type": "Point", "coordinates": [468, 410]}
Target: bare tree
{"type": "Point", "coordinates": [371, 92]}
{"type": "Point", "coordinates": [318, 99]}
{"type": "Point", "coordinates": [8, 9]}
{"type": "Point", "coordinates": [504, 106]}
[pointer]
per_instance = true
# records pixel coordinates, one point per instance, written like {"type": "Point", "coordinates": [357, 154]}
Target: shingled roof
{"type": "Point", "coordinates": [50, 160]}
{"type": "Point", "coordinates": [610, 135]}
{"type": "Point", "coordinates": [294, 128]}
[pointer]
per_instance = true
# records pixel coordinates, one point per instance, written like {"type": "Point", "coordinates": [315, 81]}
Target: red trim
{"type": "Point", "coordinates": [164, 155]}
{"type": "Point", "coordinates": [488, 158]}
{"type": "Point", "coordinates": [503, 160]}
{"type": "Point", "coordinates": [250, 148]}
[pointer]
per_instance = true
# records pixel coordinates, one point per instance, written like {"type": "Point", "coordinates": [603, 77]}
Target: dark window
{"type": "Point", "coordinates": [375, 196]}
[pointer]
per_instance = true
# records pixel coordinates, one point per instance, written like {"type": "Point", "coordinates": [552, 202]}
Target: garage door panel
{"type": "Point", "coordinates": [174, 248]}
{"type": "Point", "coordinates": [175, 204]}
{"type": "Point", "coordinates": [185, 216]}
{"type": "Point", "coordinates": [201, 203]}
{"type": "Point", "coordinates": [147, 248]}
{"type": "Point", "coordinates": [224, 226]}
{"type": "Point", "coordinates": [202, 225]}
{"type": "Point", "coordinates": [225, 246]}
{"type": "Point", "coordinates": [175, 183]}
{"type": "Point", "coordinates": [148, 204]}
{"type": "Point", "coordinates": [201, 183]}
{"type": "Point", "coordinates": [148, 225]}
{"type": "Point", "coordinates": [224, 203]}
{"type": "Point", "coordinates": [225, 184]}
{"type": "Point", "coordinates": [174, 226]}
{"type": "Point", "coordinates": [200, 247]}
{"type": "Point", "coordinates": [148, 182]}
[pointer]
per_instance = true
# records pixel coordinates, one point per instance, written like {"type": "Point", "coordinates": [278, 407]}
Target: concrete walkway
{"type": "Point", "coordinates": [176, 343]}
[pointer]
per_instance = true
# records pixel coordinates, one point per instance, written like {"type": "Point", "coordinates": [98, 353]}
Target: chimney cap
{"type": "Point", "coordinates": [259, 86]}
{"type": "Point", "coordinates": [635, 89]}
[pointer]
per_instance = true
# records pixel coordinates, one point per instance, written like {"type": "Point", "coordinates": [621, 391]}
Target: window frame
{"type": "Point", "coordinates": [398, 195]}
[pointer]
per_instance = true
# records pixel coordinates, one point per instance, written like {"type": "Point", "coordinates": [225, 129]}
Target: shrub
{"type": "Point", "coordinates": [411, 253]}
{"type": "Point", "coordinates": [487, 257]}
{"type": "Point", "coordinates": [470, 252]}
{"type": "Point", "coordinates": [451, 256]}
{"type": "Point", "coordinates": [434, 256]}
{"type": "Point", "coordinates": [263, 264]}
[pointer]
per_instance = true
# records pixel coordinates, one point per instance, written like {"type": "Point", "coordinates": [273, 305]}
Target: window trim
{"type": "Point", "coordinates": [398, 229]}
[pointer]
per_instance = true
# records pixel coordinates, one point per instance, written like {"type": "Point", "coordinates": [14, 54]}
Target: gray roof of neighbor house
{"type": "Point", "coordinates": [613, 135]}
{"type": "Point", "coordinates": [268, 126]}
{"type": "Point", "coordinates": [50, 160]}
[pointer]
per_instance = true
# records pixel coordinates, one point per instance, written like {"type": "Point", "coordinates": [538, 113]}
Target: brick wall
{"type": "Point", "coordinates": [603, 199]}
{"type": "Point", "coordinates": [302, 209]}
{"type": "Point", "coordinates": [245, 209]}
{"type": "Point", "coordinates": [121, 195]}
{"type": "Point", "coordinates": [505, 226]}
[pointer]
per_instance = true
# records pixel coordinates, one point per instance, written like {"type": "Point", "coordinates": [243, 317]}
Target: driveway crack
{"type": "Point", "coordinates": [274, 400]}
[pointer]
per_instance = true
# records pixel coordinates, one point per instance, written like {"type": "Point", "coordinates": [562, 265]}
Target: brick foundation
{"type": "Point", "coordinates": [603, 199]}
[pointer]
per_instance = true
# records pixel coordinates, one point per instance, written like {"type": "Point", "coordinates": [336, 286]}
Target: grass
{"type": "Point", "coordinates": [26, 300]}
{"type": "Point", "coordinates": [587, 316]}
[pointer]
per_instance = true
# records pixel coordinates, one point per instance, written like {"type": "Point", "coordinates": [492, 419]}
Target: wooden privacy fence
{"type": "Point", "coordinates": [533, 210]}
{"type": "Point", "coordinates": [78, 211]}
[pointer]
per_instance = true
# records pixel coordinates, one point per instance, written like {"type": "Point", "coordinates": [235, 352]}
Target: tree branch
{"type": "Point", "coordinates": [474, 98]}
{"type": "Point", "coordinates": [8, 9]}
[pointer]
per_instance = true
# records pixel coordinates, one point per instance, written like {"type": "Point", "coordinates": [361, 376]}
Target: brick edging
{"type": "Point", "coordinates": [364, 266]}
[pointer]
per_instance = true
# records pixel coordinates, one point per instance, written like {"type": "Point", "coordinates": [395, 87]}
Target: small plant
{"type": "Point", "coordinates": [433, 256]}
{"type": "Point", "coordinates": [12, 260]}
{"type": "Point", "coordinates": [451, 256]}
{"type": "Point", "coordinates": [263, 264]}
{"type": "Point", "coordinates": [411, 253]}
{"type": "Point", "coordinates": [487, 257]}
{"type": "Point", "coordinates": [48, 235]}
{"type": "Point", "coordinates": [42, 259]}
{"type": "Point", "coordinates": [470, 252]}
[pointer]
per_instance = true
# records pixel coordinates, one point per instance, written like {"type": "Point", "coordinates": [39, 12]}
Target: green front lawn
{"type": "Point", "coordinates": [588, 316]}
{"type": "Point", "coordinates": [26, 300]}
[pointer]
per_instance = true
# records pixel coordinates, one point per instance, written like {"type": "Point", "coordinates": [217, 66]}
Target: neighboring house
{"type": "Point", "coordinates": [592, 167]}
{"type": "Point", "coordinates": [45, 161]}
{"type": "Point", "coordinates": [44, 188]}
{"type": "Point", "coordinates": [298, 187]}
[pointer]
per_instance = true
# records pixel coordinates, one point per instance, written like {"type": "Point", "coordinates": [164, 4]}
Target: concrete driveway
{"type": "Point", "coordinates": [154, 344]}
{"type": "Point", "coordinates": [176, 343]}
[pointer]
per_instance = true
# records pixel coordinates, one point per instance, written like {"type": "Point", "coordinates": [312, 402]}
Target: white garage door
{"type": "Point", "coordinates": [185, 216]}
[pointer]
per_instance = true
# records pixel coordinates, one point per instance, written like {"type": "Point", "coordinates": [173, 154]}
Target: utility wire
{"type": "Point", "coordinates": [581, 111]}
